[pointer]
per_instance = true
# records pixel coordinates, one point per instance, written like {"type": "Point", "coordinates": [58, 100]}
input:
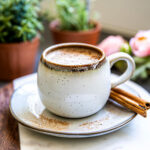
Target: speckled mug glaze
{"type": "Point", "coordinates": [78, 91]}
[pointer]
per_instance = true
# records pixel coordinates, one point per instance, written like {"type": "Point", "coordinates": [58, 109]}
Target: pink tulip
{"type": "Point", "coordinates": [140, 44]}
{"type": "Point", "coordinates": [111, 44]}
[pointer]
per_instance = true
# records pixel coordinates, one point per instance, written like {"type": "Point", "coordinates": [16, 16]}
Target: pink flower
{"type": "Point", "coordinates": [140, 44]}
{"type": "Point", "coordinates": [111, 44]}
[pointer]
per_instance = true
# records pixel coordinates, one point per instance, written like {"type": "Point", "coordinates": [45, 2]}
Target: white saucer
{"type": "Point", "coordinates": [28, 110]}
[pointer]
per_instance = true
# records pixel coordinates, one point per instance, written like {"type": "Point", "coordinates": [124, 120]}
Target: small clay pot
{"type": "Point", "coordinates": [62, 36]}
{"type": "Point", "coordinates": [17, 59]}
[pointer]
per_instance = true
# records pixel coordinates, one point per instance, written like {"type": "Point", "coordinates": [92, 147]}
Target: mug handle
{"type": "Point", "coordinates": [129, 71]}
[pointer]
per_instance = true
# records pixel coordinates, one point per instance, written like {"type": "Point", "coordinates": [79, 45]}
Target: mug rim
{"type": "Point", "coordinates": [73, 68]}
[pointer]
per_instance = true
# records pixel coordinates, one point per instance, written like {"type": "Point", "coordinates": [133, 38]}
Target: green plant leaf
{"type": "Point", "coordinates": [19, 20]}
{"type": "Point", "coordinates": [126, 48]}
{"type": "Point", "coordinates": [73, 15]}
{"type": "Point", "coordinates": [142, 71]}
{"type": "Point", "coordinates": [141, 60]}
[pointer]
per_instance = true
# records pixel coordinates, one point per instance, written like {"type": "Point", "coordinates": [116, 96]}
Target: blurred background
{"type": "Point", "coordinates": [28, 27]}
{"type": "Point", "coordinates": [117, 16]}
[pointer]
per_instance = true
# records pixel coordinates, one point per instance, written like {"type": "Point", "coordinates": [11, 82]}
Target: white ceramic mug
{"type": "Point", "coordinates": [79, 91]}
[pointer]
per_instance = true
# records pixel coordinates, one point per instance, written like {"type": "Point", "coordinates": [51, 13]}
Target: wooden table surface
{"type": "Point", "coordinates": [9, 134]}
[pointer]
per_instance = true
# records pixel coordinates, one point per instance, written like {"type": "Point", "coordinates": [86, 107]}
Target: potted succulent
{"type": "Point", "coordinates": [19, 26]}
{"type": "Point", "coordinates": [73, 23]}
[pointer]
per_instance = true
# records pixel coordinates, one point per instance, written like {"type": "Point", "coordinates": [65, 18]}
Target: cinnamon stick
{"type": "Point", "coordinates": [128, 103]}
{"type": "Point", "coordinates": [140, 101]}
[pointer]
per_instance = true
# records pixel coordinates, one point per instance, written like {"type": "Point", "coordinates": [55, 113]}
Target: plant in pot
{"type": "Point", "coordinates": [73, 23]}
{"type": "Point", "coordinates": [19, 26]}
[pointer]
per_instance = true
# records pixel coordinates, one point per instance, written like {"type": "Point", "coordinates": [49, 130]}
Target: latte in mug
{"type": "Point", "coordinates": [74, 79]}
{"type": "Point", "coordinates": [73, 56]}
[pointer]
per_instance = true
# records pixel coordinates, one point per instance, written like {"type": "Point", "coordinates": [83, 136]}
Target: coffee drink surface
{"type": "Point", "coordinates": [73, 56]}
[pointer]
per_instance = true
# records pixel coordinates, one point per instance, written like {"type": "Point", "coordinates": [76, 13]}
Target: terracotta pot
{"type": "Point", "coordinates": [62, 36]}
{"type": "Point", "coordinates": [17, 59]}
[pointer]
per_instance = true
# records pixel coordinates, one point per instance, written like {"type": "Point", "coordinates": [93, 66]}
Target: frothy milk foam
{"type": "Point", "coordinates": [73, 56]}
